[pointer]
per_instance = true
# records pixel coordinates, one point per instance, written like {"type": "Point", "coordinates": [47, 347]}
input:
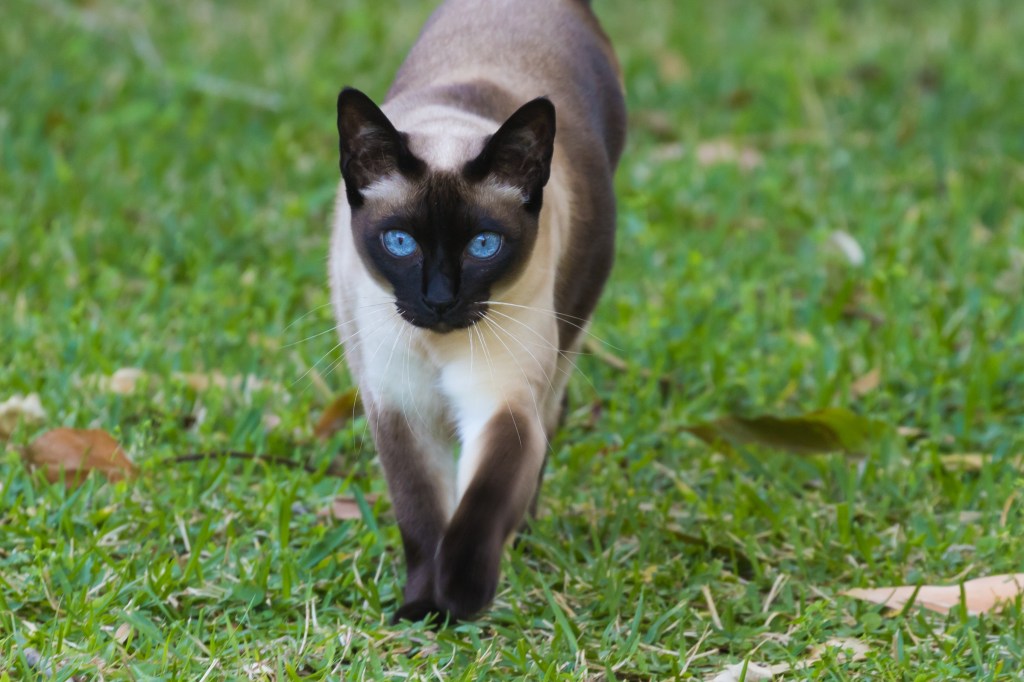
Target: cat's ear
{"type": "Point", "coordinates": [370, 148]}
{"type": "Point", "coordinates": [519, 154]}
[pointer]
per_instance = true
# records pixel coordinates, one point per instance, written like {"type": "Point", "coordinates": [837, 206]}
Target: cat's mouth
{"type": "Point", "coordinates": [442, 321]}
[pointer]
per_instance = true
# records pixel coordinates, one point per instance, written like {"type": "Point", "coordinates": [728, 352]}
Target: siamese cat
{"type": "Point", "coordinates": [471, 242]}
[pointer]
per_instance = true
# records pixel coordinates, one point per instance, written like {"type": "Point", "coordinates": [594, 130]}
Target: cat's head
{"type": "Point", "coordinates": [443, 240]}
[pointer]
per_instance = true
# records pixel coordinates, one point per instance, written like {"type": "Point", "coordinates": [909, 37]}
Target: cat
{"type": "Point", "coordinates": [470, 245]}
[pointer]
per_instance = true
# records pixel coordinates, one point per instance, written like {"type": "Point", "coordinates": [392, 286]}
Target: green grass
{"type": "Point", "coordinates": [167, 173]}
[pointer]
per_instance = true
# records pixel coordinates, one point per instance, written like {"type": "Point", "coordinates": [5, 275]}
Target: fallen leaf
{"type": "Point", "coordinates": [656, 122]}
{"type": "Point", "coordinates": [235, 383]}
{"type": "Point", "coordinates": [24, 409]}
{"type": "Point", "coordinates": [850, 248]}
{"type": "Point", "coordinates": [830, 430]}
{"type": "Point", "coordinates": [974, 462]}
{"type": "Point", "coordinates": [980, 595]}
{"type": "Point", "coordinates": [125, 380]}
{"type": "Point", "coordinates": [122, 632]}
{"type": "Point", "coordinates": [852, 650]}
{"type": "Point", "coordinates": [740, 672]}
{"type": "Point", "coordinates": [866, 383]}
{"type": "Point", "coordinates": [343, 508]}
{"type": "Point", "coordinates": [804, 339]}
{"type": "Point", "coordinates": [909, 431]}
{"type": "Point", "coordinates": [77, 452]}
{"type": "Point", "coordinates": [340, 412]}
{"type": "Point", "coordinates": [964, 461]}
{"type": "Point", "coordinates": [855, 312]}
{"type": "Point", "coordinates": [672, 66]}
{"type": "Point", "coordinates": [739, 98]}
{"type": "Point", "coordinates": [716, 152]}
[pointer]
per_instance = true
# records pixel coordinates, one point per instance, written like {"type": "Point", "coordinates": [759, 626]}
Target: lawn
{"type": "Point", "coordinates": [821, 206]}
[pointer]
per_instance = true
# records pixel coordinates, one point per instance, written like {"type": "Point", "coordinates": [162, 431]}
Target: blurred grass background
{"type": "Point", "coordinates": [166, 177]}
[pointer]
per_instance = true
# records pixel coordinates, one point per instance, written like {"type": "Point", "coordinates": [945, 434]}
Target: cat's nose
{"type": "Point", "coordinates": [439, 292]}
{"type": "Point", "coordinates": [439, 305]}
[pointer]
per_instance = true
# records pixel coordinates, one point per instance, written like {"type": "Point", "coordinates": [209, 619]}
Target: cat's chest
{"type": "Point", "coordinates": [447, 379]}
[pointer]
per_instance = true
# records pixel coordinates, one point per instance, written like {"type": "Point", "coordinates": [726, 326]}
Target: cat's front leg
{"type": "Point", "coordinates": [507, 456]}
{"type": "Point", "coordinates": [421, 486]}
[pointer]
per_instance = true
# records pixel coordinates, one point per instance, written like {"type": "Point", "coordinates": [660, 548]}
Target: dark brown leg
{"type": "Point", "coordinates": [562, 412]}
{"type": "Point", "coordinates": [418, 488]}
{"type": "Point", "coordinates": [469, 559]}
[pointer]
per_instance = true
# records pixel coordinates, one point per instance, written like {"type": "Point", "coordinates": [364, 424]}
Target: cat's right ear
{"type": "Point", "coordinates": [370, 148]}
{"type": "Point", "coordinates": [520, 153]}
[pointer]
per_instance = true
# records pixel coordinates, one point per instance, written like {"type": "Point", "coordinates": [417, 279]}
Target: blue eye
{"type": "Point", "coordinates": [484, 245]}
{"type": "Point", "coordinates": [399, 243]}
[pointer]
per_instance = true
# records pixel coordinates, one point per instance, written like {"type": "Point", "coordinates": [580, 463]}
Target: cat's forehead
{"type": "Point", "coordinates": [449, 151]}
{"type": "Point", "coordinates": [435, 204]}
{"type": "Point", "coordinates": [439, 197]}
{"type": "Point", "coordinates": [445, 142]}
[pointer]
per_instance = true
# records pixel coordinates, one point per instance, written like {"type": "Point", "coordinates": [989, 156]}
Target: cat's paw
{"type": "Point", "coordinates": [421, 609]}
{"type": "Point", "coordinates": [467, 577]}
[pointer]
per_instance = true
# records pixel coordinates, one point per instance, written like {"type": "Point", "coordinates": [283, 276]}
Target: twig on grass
{"type": "Point", "coordinates": [665, 383]}
{"type": "Point", "coordinates": [234, 454]}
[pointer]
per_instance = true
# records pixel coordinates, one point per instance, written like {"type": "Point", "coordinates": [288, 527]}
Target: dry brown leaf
{"type": "Point", "coordinates": [717, 152]}
{"type": "Point", "coordinates": [672, 66]}
{"type": "Point", "coordinates": [980, 595]}
{"type": "Point", "coordinates": [342, 409]}
{"type": "Point", "coordinates": [750, 673]}
{"type": "Point", "coordinates": [235, 382]}
{"type": "Point", "coordinates": [867, 383]}
{"type": "Point", "coordinates": [832, 429]}
{"type": "Point", "coordinates": [24, 409]}
{"type": "Point", "coordinates": [77, 452]}
{"type": "Point", "coordinates": [974, 461]}
{"type": "Point", "coordinates": [122, 632]}
{"type": "Point", "coordinates": [964, 461]}
{"type": "Point", "coordinates": [127, 380]}
{"type": "Point", "coordinates": [852, 650]}
{"type": "Point", "coordinates": [343, 508]}
{"type": "Point", "coordinates": [804, 339]}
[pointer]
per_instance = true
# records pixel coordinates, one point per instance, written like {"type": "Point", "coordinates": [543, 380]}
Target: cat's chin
{"type": "Point", "coordinates": [444, 327]}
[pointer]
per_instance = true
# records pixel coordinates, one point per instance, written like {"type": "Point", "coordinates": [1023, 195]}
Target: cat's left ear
{"type": "Point", "coordinates": [519, 154]}
{"type": "Point", "coordinates": [369, 145]}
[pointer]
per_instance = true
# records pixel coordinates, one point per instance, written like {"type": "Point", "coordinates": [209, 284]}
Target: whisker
{"type": "Point", "coordinates": [561, 317]}
{"type": "Point", "coordinates": [545, 342]}
{"type": "Point", "coordinates": [567, 316]}
{"type": "Point", "coordinates": [523, 345]}
{"type": "Point", "coordinates": [408, 385]}
{"type": "Point", "coordinates": [560, 352]}
{"type": "Point", "coordinates": [310, 338]}
{"type": "Point", "coordinates": [504, 394]}
{"type": "Point", "coordinates": [305, 315]}
{"type": "Point", "coordinates": [338, 325]}
{"type": "Point", "coordinates": [533, 393]}
{"type": "Point", "coordinates": [338, 345]}
{"type": "Point", "coordinates": [370, 363]}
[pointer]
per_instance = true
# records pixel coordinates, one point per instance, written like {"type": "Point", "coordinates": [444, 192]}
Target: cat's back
{"type": "Point", "coordinates": [490, 56]}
